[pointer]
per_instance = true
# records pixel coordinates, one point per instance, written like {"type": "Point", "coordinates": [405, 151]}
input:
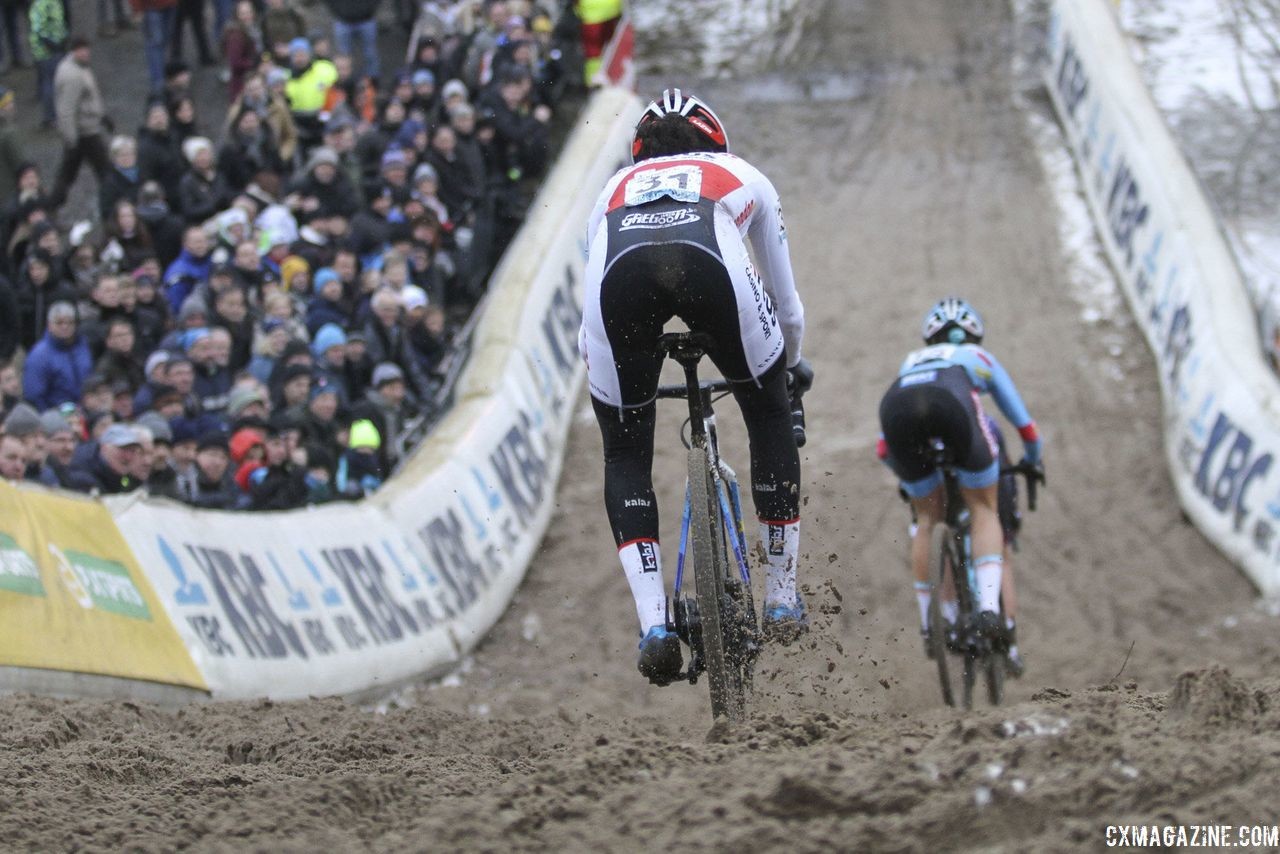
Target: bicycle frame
{"type": "Point", "coordinates": [719, 496]}
{"type": "Point", "coordinates": [958, 569]}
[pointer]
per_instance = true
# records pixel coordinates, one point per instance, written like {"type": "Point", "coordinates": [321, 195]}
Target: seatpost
{"type": "Point", "coordinates": [697, 402]}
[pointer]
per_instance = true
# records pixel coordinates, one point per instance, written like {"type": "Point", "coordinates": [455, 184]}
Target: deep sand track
{"type": "Point", "coordinates": [922, 180]}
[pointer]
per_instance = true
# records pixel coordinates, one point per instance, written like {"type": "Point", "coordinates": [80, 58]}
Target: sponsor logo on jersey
{"type": "Point", "coordinates": [659, 219]}
{"type": "Point", "coordinates": [918, 378]}
{"type": "Point", "coordinates": [777, 539]}
{"type": "Point", "coordinates": [782, 226]}
{"type": "Point", "coordinates": [648, 555]}
{"type": "Point", "coordinates": [746, 212]}
{"type": "Point", "coordinates": [636, 502]}
{"type": "Point", "coordinates": [764, 306]}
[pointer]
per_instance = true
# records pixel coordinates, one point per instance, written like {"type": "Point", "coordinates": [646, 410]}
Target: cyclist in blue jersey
{"type": "Point", "coordinates": [937, 394]}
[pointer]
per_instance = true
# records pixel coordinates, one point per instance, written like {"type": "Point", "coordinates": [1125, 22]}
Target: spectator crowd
{"type": "Point", "coordinates": [263, 302]}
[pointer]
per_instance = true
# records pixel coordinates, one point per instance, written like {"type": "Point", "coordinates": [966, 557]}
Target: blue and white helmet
{"type": "Point", "coordinates": [955, 317]}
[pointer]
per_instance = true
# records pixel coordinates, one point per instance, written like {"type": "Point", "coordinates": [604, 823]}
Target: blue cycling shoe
{"type": "Point", "coordinates": [783, 623]}
{"type": "Point", "coordinates": [660, 657]}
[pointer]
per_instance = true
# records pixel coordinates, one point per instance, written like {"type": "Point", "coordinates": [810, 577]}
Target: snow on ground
{"type": "Point", "coordinates": [1213, 67]}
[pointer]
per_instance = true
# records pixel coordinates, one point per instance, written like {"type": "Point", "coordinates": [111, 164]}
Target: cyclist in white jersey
{"type": "Point", "coordinates": [666, 239]}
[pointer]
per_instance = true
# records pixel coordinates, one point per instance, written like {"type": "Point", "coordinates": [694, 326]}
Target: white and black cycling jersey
{"type": "Point", "coordinates": [668, 237]}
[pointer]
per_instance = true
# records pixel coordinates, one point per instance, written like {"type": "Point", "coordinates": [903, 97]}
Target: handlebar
{"type": "Point", "coordinates": [682, 391]}
{"type": "Point", "coordinates": [1032, 474]}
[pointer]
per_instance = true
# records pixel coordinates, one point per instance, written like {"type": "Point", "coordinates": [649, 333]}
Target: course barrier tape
{"type": "Point", "coordinates": [73, 598]}
{"type": "Point", "coordinates": [1221, 401]}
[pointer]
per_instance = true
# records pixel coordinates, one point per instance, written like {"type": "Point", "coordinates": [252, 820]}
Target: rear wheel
{"type": "Point", "coordinates": [724, 675]}
{"type": "Point", "coordinates": [939, 565]}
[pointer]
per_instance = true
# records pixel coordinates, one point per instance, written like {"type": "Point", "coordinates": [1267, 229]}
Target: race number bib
{"type": "Point", "coordinates": [682, 183]}
{"type": "Point", "coordinates": [935, 353]}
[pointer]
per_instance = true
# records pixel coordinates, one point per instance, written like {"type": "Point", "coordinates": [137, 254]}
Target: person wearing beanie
{"type": "Point", "coordinates": [326, 307]}
{"type": "Point", "coordinates": [319, 474]}
{"type": "Point", "coordinates": [214, 487]}
{"type": "Point", "coordinates": [292, 389]}
{"type": "Point", "coordinates": [280, 483]}
{"type": "Point", "coordinates": [389, 406]}
{"type": "Point", "coordinates": [323, 190]}
{"type": "Point", "coordinates": [360, 471]}
{"type": "Point", "coordinates": [24, 424]}
{"type": "Point", "coordinates": [330, 351]}
{"type": "Point", "coordinates": [60, 447]}
{"type": "Point", "coordinates": [248, 453]}
{"type": "Point", "coordinates": [246, 402]}
{"type": "Point", "coordinates": [295, 274]}
{"type": "Point", "coordinates": [320, 421]}
{"type": "Point", "coordinates": [161, 476]}
{"type": "Point", "coordinates": [23, 421]}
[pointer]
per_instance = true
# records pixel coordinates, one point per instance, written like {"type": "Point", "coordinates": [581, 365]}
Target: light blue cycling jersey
{"type": "Point", "coordinates": [987, 376]}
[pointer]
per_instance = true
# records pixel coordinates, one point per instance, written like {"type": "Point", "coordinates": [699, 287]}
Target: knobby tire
{"type": "Point", "coordinates": [709, 560]}
{"type": "Point", "coordinates": [940, 562]}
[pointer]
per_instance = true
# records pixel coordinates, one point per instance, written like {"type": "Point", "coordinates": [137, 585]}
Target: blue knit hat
{"type": "Point", "coordinates": [323, 276]}
{"type": "Point", "coordinates": [329, 335]}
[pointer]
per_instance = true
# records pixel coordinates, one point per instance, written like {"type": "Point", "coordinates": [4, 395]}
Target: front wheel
{"type": "Point", "coordinates": [706, 530]}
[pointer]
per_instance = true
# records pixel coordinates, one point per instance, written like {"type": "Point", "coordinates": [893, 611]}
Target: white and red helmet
{"type": "Point", "coordinates": [694, 111]}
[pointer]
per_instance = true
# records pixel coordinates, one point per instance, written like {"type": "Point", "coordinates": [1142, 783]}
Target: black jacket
{"type": "Point", "coordinates": [160, 159]}
{"type": "Point", "coordinates": [96, 475]}
{"type": "Point", "coordinates": [353, 11]}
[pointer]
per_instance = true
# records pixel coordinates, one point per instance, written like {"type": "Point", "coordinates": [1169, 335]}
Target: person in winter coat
{"type": "Point", "coordinates": [122, 180]}
{"type": "Point", "coordinates": [59, 362]}
{"type": "Point", "coordinates": [248, 454]}
{"type": "Point", "coordinates": [280, 483]}
{"type": "Point", "coordinates": [10, 321]}
{"type": "Point", "coordinates": [390, 407]}
{"type": "Point", "coordinates": [248, 151]}
{"type": "Point", "coordinates": [203, 190]}
{"type": "Point", "coordinates": [109, 469]}
{"type": "Point", "coordinates": [159, 149]}
{"type": "Point", "coordinates": [323, 190]}
{"type": "Point", "coordinates": [326, 306]}
{"type": "Point", "coordinates": [231, 312]}
{"type": "Point", "coordinates": [360, 470]}
{"type": "Point", "coordinates": [242, 46]}
{"type": "Point", "coordinates": [281, 24]}
{"type": "Point", "coordinates": [48, 31]}
{"type": "Point", "coordinates": [117, 362]}
{"type": "Point", "coordinates": [214, 487]}
{"type": "Point", "coordinates": [80, 110]}
{"type": "Point", "coordinates": [190, 270]}
{"type": "Point", "coordinates": [329, 351]}
{"type": "Point", "coordinates": [162, 223]}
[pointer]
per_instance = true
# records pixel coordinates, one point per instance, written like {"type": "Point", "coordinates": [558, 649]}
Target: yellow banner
{"type": "Point", "coordinates": [72, 596]}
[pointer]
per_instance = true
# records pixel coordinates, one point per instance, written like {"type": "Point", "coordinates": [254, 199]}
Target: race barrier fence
{"type": "Point", "coordinates": [1221, 401]}
{"type": "Point", "coordinates": [340, 598]}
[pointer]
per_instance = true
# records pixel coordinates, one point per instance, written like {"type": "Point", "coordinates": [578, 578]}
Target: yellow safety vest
{"type": "Point", "coordinates": [307, 93]}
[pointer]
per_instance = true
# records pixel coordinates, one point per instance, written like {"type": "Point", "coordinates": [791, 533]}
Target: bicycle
{"type": "Point", "coordinates": [719, 622]}
{"type": "Point", "coordinates": [951, 573]}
